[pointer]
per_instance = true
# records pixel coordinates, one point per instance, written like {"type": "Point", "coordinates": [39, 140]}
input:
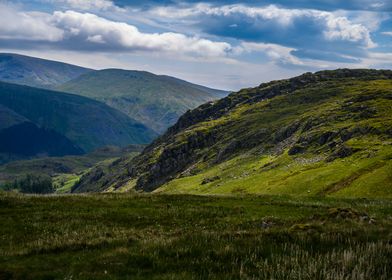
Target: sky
{"type": "Point", "coordinates": [222, 44]}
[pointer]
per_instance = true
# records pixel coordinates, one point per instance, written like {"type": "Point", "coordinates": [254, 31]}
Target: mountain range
{"type": "Point", "coordinates": [326, 133]}
{"type": "Point", "coordinates": [156, 101]}
{"type": "Point", "coordinates": [51, 117]}
{"type": "Point", "coordinates": [104, 107]}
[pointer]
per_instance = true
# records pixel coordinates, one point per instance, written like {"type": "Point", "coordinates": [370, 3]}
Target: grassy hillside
{"type": "Point", "coordinates": [28, 140]}
{"type": "Point", "coordinates": [87, 123]}
{"type": "Point", "coordinates": [10, 118]}
{"type": "Point", "coordinates": [156, 101]}
{"type": "Point", "coordinates": [31, 71]}
{"type": "Point", "coordinates": [323, 134]}
{"type": "Point", "coordinates": [124, 236]}
{"type": "Point", "coordinates": [20, 138]}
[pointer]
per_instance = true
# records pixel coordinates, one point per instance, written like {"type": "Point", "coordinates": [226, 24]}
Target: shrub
{"type": "Point", "coordinates": [39, 184]}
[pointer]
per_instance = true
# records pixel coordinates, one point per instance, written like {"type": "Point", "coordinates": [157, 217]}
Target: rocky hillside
{"type": "Point", "coordinates": [327, 133]}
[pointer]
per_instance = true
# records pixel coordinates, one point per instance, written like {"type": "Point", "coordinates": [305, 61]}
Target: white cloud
{"type": "Point", "coordinates": [72, 29]}
{"type": "Point", "coordinates": [377, 5]}
{"type": "Point", "coordinates": [88, 5]}
{"type": "Point", "coordinates": [335, 26]}
{"type": "Point", "coordinates": [89, 27]}
{"type": "Point", "coordinates": [274, 52]}
{"type": "Point", "coordinates": [96, 39]}
{"type": "Point", "coordinates": [389, 33]}
{"type": "Point", "coordinates": [340, 28]}
{"type": "Point", "coordinates": [33, 26]}
{"type": "Point", "coordinates": [370, 19]}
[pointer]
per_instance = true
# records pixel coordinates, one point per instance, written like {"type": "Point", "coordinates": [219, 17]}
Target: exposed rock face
{"type": "Point", "coordinates": [211, 134]}
{"type": "Point", "coordinates": [173, 160]}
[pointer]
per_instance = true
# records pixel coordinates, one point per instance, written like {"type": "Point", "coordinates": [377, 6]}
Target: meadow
{"type": "Point", "coordinates": [160, 236]}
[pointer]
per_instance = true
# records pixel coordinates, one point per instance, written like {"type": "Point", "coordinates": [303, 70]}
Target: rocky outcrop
{"type": "Point", "coordinates": [173, 160]}
{"type": "Point", "coordinates": [216, 132]}
{"type": "Point", "coordinates": [214, 110]}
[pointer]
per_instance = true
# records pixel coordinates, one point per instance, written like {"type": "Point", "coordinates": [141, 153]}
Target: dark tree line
{"type": "Point", "coordinates": [30, 183]}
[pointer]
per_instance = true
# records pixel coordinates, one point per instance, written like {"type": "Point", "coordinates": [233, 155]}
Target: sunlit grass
{"type": "Point", "coordinates": [129, 236]}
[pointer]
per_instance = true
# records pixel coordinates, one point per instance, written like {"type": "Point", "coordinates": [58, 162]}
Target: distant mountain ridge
{"type": "Point", "coordinates": [37, 72]}
{"type": "Point", "coordinates": [87, 123]}
{"type": "Point", "coordinates": [327, 133]}
{"type": "Point", "coordinates": [154, 100]}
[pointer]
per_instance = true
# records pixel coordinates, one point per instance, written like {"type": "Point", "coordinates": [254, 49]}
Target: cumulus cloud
{"type": "Point", "coordinates": [83, 4]}
{"type": "Point", "coordinates": [340, 28]}
{"type": "Point", "coordinates": [87, 5]}
{"type": "Point", "coordinates": [31, 26]}
{"type": "Point", "coordinates": [388, 33]}
{"type": "Point", "coordinates": [284, 36]}
{"type": "Point", "coordinates": [275, 52]}
{"type": "Point", "coordinates": [261, 20]}
{"type": "Point", "coordinates": [87, 31]}
{"type": "Point", "coordinates": [328, 5]}
{"type": "Point", "coordinates": [94, 29]}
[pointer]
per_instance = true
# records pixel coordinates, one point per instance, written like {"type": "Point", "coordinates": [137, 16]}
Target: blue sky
{"type": "Point", "coordinates": [225, 44]}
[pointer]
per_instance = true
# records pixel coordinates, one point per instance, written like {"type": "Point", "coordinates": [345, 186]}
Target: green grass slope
{"type": "Point", "coordinates": [20, 139]}
{"type": "Point", "coordinates": [124, 236]}
{"type": "Point", "coordinates": [322, 134]}
{"type": "Point", "coordinates": [156, 101]}
{"type": "Point", "coordinates": [36, 72]}
{"type": "Point", "coordinates": [87, 123]}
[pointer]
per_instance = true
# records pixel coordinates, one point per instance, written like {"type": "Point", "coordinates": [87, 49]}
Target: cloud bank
{"type": "Point", "coordinates": [314, 30]}
{"type": "Point", "coordinates": [239, 41]}
{"type": "Point", "coordinates": [86, 31]}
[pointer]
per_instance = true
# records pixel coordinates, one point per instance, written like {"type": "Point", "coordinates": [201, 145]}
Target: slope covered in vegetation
{"type": "Point", "coordinates": [327, 133]}
{"type": "Point", "coordinates": [32, 71]}
{"type": "Point", "coordinates": [125, 236]}
{"type": "Point", "coordinates": [28, 140]}
{"type": "Point", "coordinates": [89, 124]}
{"type": "Point", "coordinates": [156, 101]}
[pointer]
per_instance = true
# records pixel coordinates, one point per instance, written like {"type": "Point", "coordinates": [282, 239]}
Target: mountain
{"type": "Point", "coordinates": [87, 123]}
{"type": "Point", "coordinates": [156, 101]}
{"type": "Point", "coordinates": [36, 72]}
{"type": "Point", "coordinates": [327, 134]}
{"type": "Point", "coordinates": [28, 140]}
{"type": "Point", "coordinates": [20, 138]}
{"type": "Point", "coordinates": [9, 118]}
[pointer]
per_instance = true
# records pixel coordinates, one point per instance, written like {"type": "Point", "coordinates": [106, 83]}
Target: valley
{"type": "Point", "coordinates": [188, 139]}
{"type": "Point", "coordinates": [327, 133]}
{"type": "Point", "coordinates": [87, 123]}
{"type": "Point", "coordinates": [288, 180]}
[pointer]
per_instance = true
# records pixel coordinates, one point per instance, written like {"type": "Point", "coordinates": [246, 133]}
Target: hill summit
{"type": "Point", "coordinates": [37, 72]}
{"type": "Point", "coordinates": [324, 133]}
